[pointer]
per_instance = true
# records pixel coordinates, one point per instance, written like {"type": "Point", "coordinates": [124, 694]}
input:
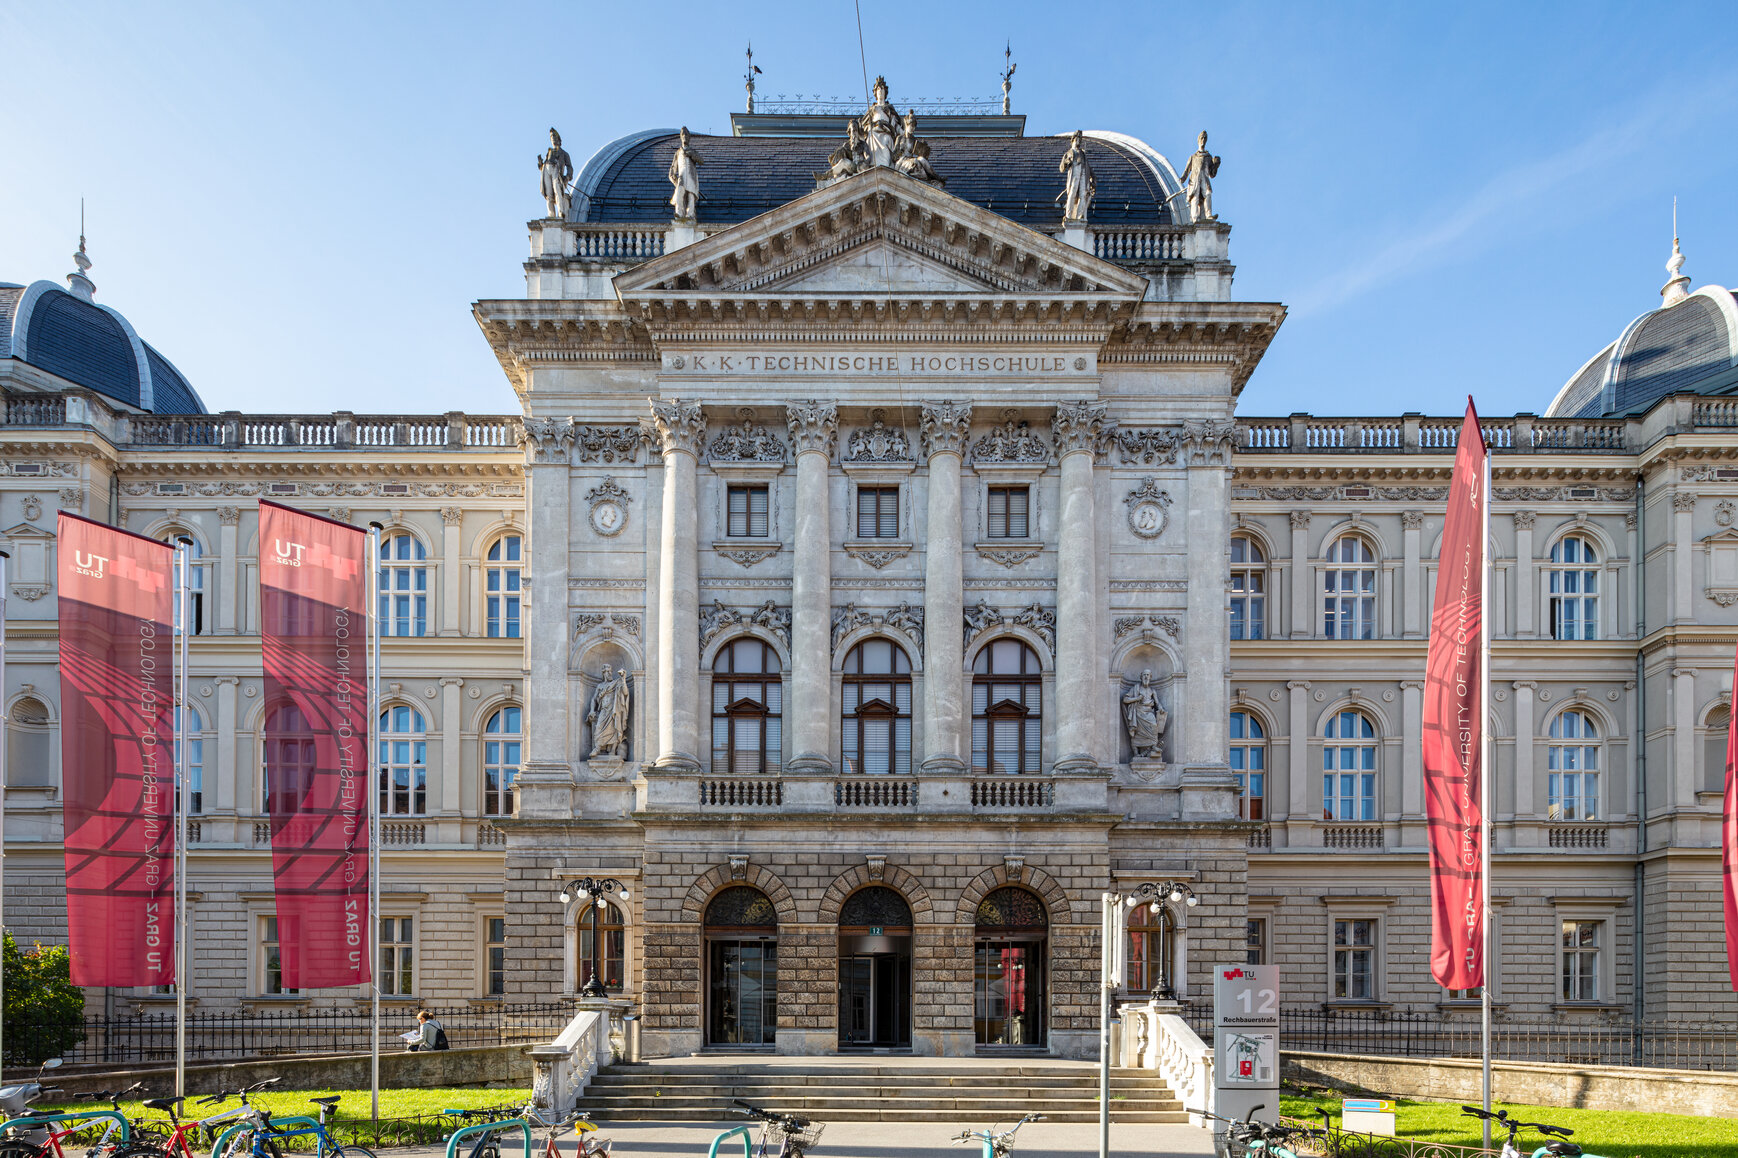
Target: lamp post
{"type": "Point", "coordinates": [1114, 927]}
{"type": "Point", "coordinates": [595, 892]}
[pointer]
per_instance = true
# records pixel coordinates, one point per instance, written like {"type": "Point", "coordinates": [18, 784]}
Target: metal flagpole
{"type": "Point", "coordinates": [1108, 906]}
{"type": "Point", "coordinates": [182, 956]}
{"type": "Point", "coordinates": [374, 530]}
{"type": "Point", "coordinates": [3, 557]}
{"type": "Point", "coordinates": [1486, 782]}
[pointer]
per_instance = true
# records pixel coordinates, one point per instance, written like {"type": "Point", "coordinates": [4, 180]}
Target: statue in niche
{"type": "Point", "coordinates": [557, 170]}
{"type": "Point", "coordinates": [685, 176]}
{"type": "Point", "coordinates": [1143, 718]}
{"type": "Point", "coordinates": [881, 127]}
{"type": "Point", "coordinates": [1078, 183]}
{"type": "Point", "coordinates": [1198, 181]}
{"type": "Point", "coordinates": [609, 715]}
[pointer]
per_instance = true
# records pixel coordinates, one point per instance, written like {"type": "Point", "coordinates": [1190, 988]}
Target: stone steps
{"type": "Point", "coordinates": [967, 1095]}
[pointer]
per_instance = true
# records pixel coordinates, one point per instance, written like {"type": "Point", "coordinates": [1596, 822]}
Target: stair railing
{"type": "Point", "coordinates": [562, 1069]}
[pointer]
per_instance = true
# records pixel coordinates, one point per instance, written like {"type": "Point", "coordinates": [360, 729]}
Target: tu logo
{"type": "Point", "coordinates": [91, 565]}
{"type": "Point", "coordinates": [289, 554]}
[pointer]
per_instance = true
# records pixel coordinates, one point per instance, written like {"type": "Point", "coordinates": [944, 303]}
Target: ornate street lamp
{"type": "Point", "coordinates": [1154, 897]}
{"type": "Point", "coordinates": [595, 892]}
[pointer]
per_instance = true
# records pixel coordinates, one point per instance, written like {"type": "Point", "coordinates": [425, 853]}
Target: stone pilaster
{"type": "Point", "coordinates": [1683, 556]}
{"type": "Point", "coordinates": [943, 432]}
{"type": "Point", "coordinates": [1412, 741]}
{"type": "Point", "coordinates": [546, 777]}
{"type": "Point", "coordinates": [1684, 782]}
{"type": "Point", "coordinates": [1525, 788]}
{"type": "Point", "coordinates": [814, 430]}
{"type": "Point", "coordinates": [1526, 585]}
{"type": "Point", "coordinates": [1206, 450]}
{"type": "Point", "coordinates": [221, 795]}
{"type": "Point", "coordinates": [451, 579]}
{"type": "Point", "coordinates": [1302, 582]}
{"type": "Point", "coordinates": [1412, 581]}
{"type": "Point", "coordinates": [1078, 429]}
{"type": "Point", "coordinates": [1302, 798]}
{"type": "Point", "coordinates": [451, 802]}
{"type": "Point", "coordinates": [680, 428]}
{"type": "Point", "coordinates": [228, 573]}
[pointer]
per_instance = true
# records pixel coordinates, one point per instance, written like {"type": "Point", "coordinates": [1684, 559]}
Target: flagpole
{"type": "Point", "coordinates": [181, 744]}
{"type": "Point", "coordinates": [1486, 782]}
{"type": "Point", "coordinates": [3, 557]}
{"type": "Point", "coordinates": [374, 530]}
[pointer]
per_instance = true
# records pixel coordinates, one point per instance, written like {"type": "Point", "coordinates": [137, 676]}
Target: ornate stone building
{"type": "Point", "coordinates": [879, 571]}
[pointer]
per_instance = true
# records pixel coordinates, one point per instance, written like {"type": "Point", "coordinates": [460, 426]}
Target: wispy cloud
{"type": "Point", "coordinates": [1666, 112]}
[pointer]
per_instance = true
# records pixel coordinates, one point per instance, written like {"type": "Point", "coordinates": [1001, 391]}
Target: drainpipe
{"type": "Point", "coordinates": [1639, 970]}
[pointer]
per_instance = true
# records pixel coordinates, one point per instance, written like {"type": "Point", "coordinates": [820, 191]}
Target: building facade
{"type": "Point", "coordinates": [877, 572]}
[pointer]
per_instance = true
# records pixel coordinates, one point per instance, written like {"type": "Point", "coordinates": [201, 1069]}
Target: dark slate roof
{"type": "Point", "coordinates": [743, 177]}
{"type": "Point", "coordinates": [170, 393]}
{"type": "Point", "coordinates": [80, 342]}
{"type": "Point", "coordinates": [1584, 397]}
{"type": "Point", "coordinates": [1683, 347]}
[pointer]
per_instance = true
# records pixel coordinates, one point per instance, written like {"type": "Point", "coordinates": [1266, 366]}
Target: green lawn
{"type": "Point", "coordinates": [1611, 1133]}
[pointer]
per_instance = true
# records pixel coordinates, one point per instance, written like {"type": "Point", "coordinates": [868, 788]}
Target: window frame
{"type": "Point", "coordinates": [492, 763]}
{"type": "Point", "coordinates": [1330, 587]}
{"type": "Point", "coordinates": [1005, 492]}
{"type": "Point", "coordinates": [1586, 962]}
{"type": "Point", "coordinates": [615, 944]}
{"type": "Point", "coordinates": [854, 721]}
{"type": "Point", "coordinates": [1030, 680]}
{"type": "Point", "coordinates": [415, 569]}
{"type": "Point", "coordinates": [267, 938]}
{"type": "Point", "coordinates": [195, 758]}
{"type": "Point", "coordinates": [749, 491]}
{"type": "Point", "coordinates": [491, 946]}
{"type": "Point", "coordinates": [1562, 574]}
{"type": "Point", "coordinates": [402, 955]}
{"type": "Point", "coordinates": [198, 567]}
{"type": "Point", "coordinates": [886, 517]}
{"type": "Point", "coordinates": [1557, 746]}
{"type": "Point", "coordinates": [1369, 801]}
{"type": "Point", "coordinates": [416, 788]}
{"type": "Point", "coordinates": [1158, 955]}
{"type": "Point", "coordinates": [504, 605]}
{"type": "Point", "coordinates": [1603, 911]}
{"type": "Point", "coordinates": [1250, 805]}
{"type": "Point", "coordinates": [736, 709]}
{"type": "Point", "coordinates": [1249, 589]}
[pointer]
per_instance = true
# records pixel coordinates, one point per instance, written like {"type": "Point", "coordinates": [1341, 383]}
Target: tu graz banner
{"type": "Point", "coordinates": [117, 697]}
{"type": "Point", "coordinates": [1454, 727]}
{"type": "Point", "coordinates": [314, 642]}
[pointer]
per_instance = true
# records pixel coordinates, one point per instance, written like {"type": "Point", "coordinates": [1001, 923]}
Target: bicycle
{"type": "Point", "coordinates": [41, 1139]}
{"type": "Point", "coordinates": [996, 1145]}
{"type": "Point", "coordinates": [796, 1136]}
{"type": "Point", "coordinates": [262, 1140]}
{"type": "Point", "coordinates": [1246, 1136]}
{"type": "Point", "coordinates": [1559, 1147]}
{"type": "Point", "coordinates": [591, 1143]}
{"type": "Point", "coordinates": [176, 1145]}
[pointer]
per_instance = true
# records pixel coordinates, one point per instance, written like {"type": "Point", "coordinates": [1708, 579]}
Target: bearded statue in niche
{"type": "Point", "coordinates": [1143, 718]}
{"type": "Point", "coordinates": [609, 715]}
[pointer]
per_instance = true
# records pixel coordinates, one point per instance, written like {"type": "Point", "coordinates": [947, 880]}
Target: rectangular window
{"type": "Point", "coordinates": [1581, 960]}
{"type": "Point", "coordinates": [1009, 512]}
{"type": "Point", "coordinates": [877, 512]}
{"type": "Point", "coordinates": [1255, 941]}
{"type": "Point", "coordinates": [396, 973]}
{"type": "Point", "coordinates": [496, 951]}
{"type": "Point", "coordinates": [271, 964]}
{"type": "Point", "coordinates": [1355, 960]}
{"type": "Point", "coordinates": [747, 513]}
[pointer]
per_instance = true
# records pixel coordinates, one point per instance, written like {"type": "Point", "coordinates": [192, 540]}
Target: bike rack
{"type": "Point", "coordinates": [277, 1123]}
{"type": "Point", "coordinates": [505, 1124]}
{"type": "Point", "coordinates": [716, 1142]}
{"type": "Point", "coordinates": [81, 1116]}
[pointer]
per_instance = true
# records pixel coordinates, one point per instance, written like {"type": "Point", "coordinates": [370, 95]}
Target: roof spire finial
{"type": "Point", "coordinates": [76, 281]}
{"type": "Point", "coordinates": [1007, 73]}
{"type": "Point", "coordinates": [749, 76]}
{"type": "Point", "coordinates": [1677, 286]}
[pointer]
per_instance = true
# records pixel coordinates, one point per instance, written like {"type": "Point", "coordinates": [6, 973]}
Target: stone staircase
{"type": "Point", "coordinates": [963, 1092]}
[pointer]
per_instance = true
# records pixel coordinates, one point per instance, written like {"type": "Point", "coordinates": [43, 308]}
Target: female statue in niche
{"type": "Point", "coordinates": [1144, 719]}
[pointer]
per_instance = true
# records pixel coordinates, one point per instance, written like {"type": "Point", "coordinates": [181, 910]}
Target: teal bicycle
{"type": "Point", "coordinates": [996, 1144]}
{"type": "Point", "coordinates": [260, 1137]}
{"type": "Point", "coordinates": [1558, 1147]}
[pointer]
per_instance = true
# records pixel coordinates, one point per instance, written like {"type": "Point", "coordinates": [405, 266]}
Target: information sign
{"type": "Point", "coordinates": [1367, 1116]}
{"type": "Point", "coordinates": [1246, 1041]}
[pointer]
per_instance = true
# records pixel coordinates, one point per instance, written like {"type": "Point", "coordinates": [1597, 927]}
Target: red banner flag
{"type": "Point", "coordinates": [1729, 841]}
{"type": "Point", "coordinates": [314, 641]}
{"type": "Point", "coordinates": [117, 746]}
{"type": "Point", "coordinates": [1454, 724]}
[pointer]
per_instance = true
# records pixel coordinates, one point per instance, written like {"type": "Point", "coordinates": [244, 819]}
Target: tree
{"type": "Point", "coordinates": [44, 1010]}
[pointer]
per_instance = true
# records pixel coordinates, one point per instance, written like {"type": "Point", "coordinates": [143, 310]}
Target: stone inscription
{"type": "Point", "coordinates": [1050, 365]}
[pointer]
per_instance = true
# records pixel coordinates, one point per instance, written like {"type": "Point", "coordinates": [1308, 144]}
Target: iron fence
{"type": "Point", "coordinates": [1333, 1142]}
{"type": "Point", "coordinates": [150, 1037]}
{"type": "Point", "coordinates": [1573, 1037]}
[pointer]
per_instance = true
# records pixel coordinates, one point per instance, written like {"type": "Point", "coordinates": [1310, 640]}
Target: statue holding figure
{"type": "Point", "coordinates": [881, 127]}
{"type": "Point", "coordinates": [914, 153]}
{"type": "Point", "coordinates": [685, 176]}
{"type": "Point", "coordinates": [1078, 183]}
{"type": "Point", "coordinates": [848, 158]}
{"type": "Point", "coordinates": [1198, 181]}
{"type": "Point", "coordinates": [609, 715]}
{"type": "Point", "coordinates": [556, 168]}
{"type": "Point", "coordinates": [1143, 718]}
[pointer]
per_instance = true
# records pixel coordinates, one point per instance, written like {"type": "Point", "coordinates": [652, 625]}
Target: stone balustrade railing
{"type": "Point", "coordinates": [561, 1070]}
{"type": "Point", "coordinates": [1139, 244]}
{"type": "Point", "coordinates": [232, 430]}
{"type": "Point", "coordinates": [630, 244]}
{"type": "Point", "coordinates": [1156, 1037]}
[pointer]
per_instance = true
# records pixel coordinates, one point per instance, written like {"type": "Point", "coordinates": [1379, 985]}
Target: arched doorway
{"type": "Point", "coordinates": [741, 931]}
{"type": "Point", "coordinates": [1010, 1001]}
{"type": "Point", "coordinates": [875, 970]}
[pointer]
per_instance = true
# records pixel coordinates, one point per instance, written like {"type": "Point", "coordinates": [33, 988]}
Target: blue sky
{"type": "Point", "coordinates": [298, 203]}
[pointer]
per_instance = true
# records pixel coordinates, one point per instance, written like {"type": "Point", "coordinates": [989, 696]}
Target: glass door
{"type": "Point", "coordinates": [743, 993]}
{"type": "Point", "coordinates": [856, 1000]}
{"type": "Point", "coordinates": [1009, 1002]}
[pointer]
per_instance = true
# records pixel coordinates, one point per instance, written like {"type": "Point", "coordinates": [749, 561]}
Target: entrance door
{"type": "Point", "coordinates": [1009, 1002]}
{"type": "Point", "coordinates": [743, 984]}
{"type": "Point", "coordinates": [874, 1000]}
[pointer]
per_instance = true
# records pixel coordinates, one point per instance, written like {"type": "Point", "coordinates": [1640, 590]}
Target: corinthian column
{"type": "Point", "coordinates": [814, 430]}
{"type": "Point", "coordinates": [680, 427]}
{"type": "Point", "coordinates": [1078, 428]}
{"type": "Point", "coordinates": [943, 434]}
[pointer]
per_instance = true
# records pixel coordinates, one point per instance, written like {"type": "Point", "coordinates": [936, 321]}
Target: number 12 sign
{"type": "Point", "coordinates": [1246, 1040]}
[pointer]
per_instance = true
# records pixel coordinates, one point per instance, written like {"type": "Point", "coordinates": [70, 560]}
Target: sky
{"type": "Point", "coordinates": [298, 203]}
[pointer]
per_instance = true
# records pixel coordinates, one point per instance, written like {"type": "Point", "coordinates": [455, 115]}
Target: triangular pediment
{"type": "Point", "coordinates": [26, 531]}
{"type": "Point", "coordinates": [877, 235]}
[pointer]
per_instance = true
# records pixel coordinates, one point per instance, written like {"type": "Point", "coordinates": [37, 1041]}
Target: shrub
{"type": "Point", "coordinates": [44, 1010]}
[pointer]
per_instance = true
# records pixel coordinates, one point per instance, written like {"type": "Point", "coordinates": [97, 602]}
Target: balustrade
{"type": "Point", "coordinates": [876, 793]}
{"type": "Point", "coordinates": [624, 243]}
{"type": "Point", "coordinates": [1138, 245]}
{"type": "Point", "coordinates": [1579, 836]}
{"type": "Point", "coordinates": [738, 792]}
{"type": "Point", "coordinates": [1352, 836]}
{"type": "Point", "coordinates": [1415, 435]}
{"type": "Point", "coordinates": [1007, 792]}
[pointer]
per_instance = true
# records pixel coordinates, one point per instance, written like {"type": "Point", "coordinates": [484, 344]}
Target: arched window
{"type": "Point", "coordinates": [875, 907]}
{"type": "Point", "coordinates": [1249, 764]}
{"type": "Point", "coordinates": [876, 727]}
{"type": "Point", "coordinates": [501, 583]}
{"type": "Point", "coordinates": [1006, 710]}
{"type": "Point", "coordinates": [1151, 931]}
{"type": "Point", "coordinates": [1713, 749]}
{"type": "Point", "coordinates": [1349, 590]}
{"type": "Point", "coordinates": [195, 580]}
{"type": "Point", "coordinates": [403, 586]}
{"type": "Point", "coordinates": [501, 740]}
{"type": "Point", "coordinates": [1574, 592]}
{"type": "Point", "coordinates": [747, 708]}
{"type": "Point", "coordinates": [188, 724]}
{"type": "Point", "coordinates": [1349, 768]}
{"type": "Point", "coordinates": [403, 762]}
{"type": "Point", "coordinates": [1573, 765]}
{"type": "Point", "coordinates": [1248, 589]}
{"type": "Point", "coordinates": [288, 760]}
{"type": "Point", "coordinates": [28, 741]}
{"type": "Point", "coordinates": [605, 955]}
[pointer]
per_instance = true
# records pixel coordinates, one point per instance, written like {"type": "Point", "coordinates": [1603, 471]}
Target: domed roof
{"type": "Point", "coordinates": [743, 177]}
{"type": "Point", "coordinates": [72, 337]}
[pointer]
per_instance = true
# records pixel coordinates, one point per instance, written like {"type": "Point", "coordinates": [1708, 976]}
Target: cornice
{"type": "Point", "coordinates": [197, 461]}
{"type": "Point", "coordinates": [1249, 467]}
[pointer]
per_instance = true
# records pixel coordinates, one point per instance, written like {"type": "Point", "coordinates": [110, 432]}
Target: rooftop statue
{"type": "Point", "coordinates": [914, 152]}
{"type": "Point", "coordinates": [881, 127]}
{"type": "Point", "coordinates": [880, 139]}
{"type": "Point", "coordinates": [556, 168]}
{"type": "Point", "coordinates": [1198, 180]}
{"type": "Point", "coordinates": [1078, 184]}
{"type": "Point", "coordinates": [849, 158]}
{"type": "Point", "coordinates": [684, 175]}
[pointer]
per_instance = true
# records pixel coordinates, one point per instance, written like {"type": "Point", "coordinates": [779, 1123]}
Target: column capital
{"type": "Point", "coordinates": [1684, 502]}
{"type": "Point", "coordinates": [452, 516]}
{"type": "Point", "coordinates": [1679, 673]}
{"type": "Point", "coordinates": [679, 425]}
{"type": "Point", "coordinates": [1080, 426]}
{"type": "Point", "coordinates": [1298, 685]}
{"type": "Point", "coordinates": [814, 427]}
{"type": "Point", "coordinates": [1525, 685]}
{"type": "Point", "coordinates": [1411, 520]}
{"type": "Point", "coordinates": [943, 428]}
{"type": "Point", "coordinates": [1300, 520]}
{"type": "Point", "coordinates": [229, 516]}
{"type": "Point", "coordinates": [1411, 685]}
{"type": "Point", "coordinates": [226, 681]}
{"type": "Point", "coordinates": [550, 440]}
{"type": "Point", "coordinates": [1524, 520]}
{"type": "Point", "coordinates": [1208, 441]}
{"type": "Point", "coordinates": [452, 682]}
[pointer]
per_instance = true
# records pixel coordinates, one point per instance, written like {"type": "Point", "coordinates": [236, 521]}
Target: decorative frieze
{"type": "Point", "coordinates": [1080, 426]}
{"type": "Point", "coordinates": [605, 624]}
{"type": "Point", "coordinates": [1146, 625]}
{"type": "Point", "coordinates": [679, 425]}
{"type": "Point", "coordinates": [1035, 618]}
{"type": "Point", "coordinates": [768, 616]}
{"type": "Point", "coordinates": [879, 443]}
{"type": "Point", "coordinates": [336, 489]}
{"type": "Point", "coordinates": [944, 427]}
{"type": "Point", "coordinates": [877, 553]}
{"type": "Point", "coordinates": [746, 555]}
{"type": "Point", "coordinates": [1150, 447]}
{"type": "Point", "coordinates": [814, 426]}
{"type": "Point", "coordinates": [1147, 507]}
{"type": "Point", "coordinates": [905, 618]}
{"type": "Point", "coordinates": [1009, 554]}
{"type": "Point", "coordinates": [1013, 440]}
{"type": "Point", "coordinates": [746, 441]}
{"type": "Point", "coordinates": [607, 444]}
